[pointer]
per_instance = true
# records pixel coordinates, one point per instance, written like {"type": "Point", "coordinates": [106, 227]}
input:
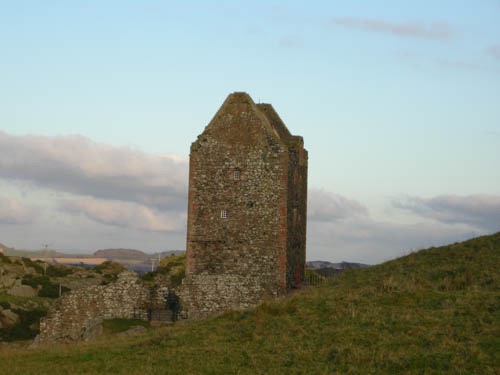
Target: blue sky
{"type": "Point", "coordinates": [398, 104]}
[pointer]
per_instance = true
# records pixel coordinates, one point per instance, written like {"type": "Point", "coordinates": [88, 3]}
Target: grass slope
{"type": "Point", "coordinates": [435, 311]}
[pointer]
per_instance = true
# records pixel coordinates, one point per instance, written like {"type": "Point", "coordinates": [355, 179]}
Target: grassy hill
{"type": "Point", "coordinates": [434, 311]}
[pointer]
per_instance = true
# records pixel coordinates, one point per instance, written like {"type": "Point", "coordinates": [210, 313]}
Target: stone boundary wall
{"type": "Point", "coordinates": [79, 314]}
{"type": "Point", "coordinates": [203, 294]}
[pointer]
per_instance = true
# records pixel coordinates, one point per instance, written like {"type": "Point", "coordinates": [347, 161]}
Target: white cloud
{"type": "Point", "coordinates": [482, 211]}
{"type": "Point", "coordinates": [324, 206]}
{"type": "Point", "coordinates": [77, 165]}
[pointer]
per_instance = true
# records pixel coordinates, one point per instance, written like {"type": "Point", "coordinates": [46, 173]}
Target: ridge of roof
{"type": "Point", "coordinates": [275, 120]}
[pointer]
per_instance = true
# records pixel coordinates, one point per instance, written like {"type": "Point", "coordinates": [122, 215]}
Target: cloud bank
{"type": "Point", "coordinates": [77, 165]}
{"type": "Point", "coordinates": [324, 206]}
{"type": "Point", "coordinates": [90, 195]}
{"type": "Point", "coordinates": [342, 229]}
{"type": "Point", "coordinates": [482, 211]}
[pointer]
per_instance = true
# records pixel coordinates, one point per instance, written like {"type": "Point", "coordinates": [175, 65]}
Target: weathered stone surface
{"type": "Point", "coordinates": [7, 281]}
{"type": "Point", "coordinates": [79, 314]}
{"type": "Point", "coordinates": [22, 291]}
{"type": "Point", "coordinates": [8, 318]}
{"type": "Point", "coordinates": [247, 209]}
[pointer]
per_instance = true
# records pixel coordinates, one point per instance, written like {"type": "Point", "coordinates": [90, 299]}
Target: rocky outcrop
{"type": "Point", "coordinates": [22, 291]}
{"type": "Point", "coordinates": [79, 314]}
{"type": "Point", "coordinates": [7, 280]}
{"type": "Point", "coordinates": [8, 318]}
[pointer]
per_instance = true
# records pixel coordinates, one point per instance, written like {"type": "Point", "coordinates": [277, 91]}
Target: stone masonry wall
{"type": "Point", "coordinates": [297, 213]}
{"type": "Point", "coordinates": [79, 314]}
{"type": "Point", "coordinates": [204, 294]}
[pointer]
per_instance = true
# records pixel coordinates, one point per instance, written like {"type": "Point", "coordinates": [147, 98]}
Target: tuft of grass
{"type": "Point", "coordinates": [432, 312]}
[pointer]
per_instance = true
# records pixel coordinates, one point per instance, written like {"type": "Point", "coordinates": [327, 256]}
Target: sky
{"type": "Point", "coordinates": [398, 103]}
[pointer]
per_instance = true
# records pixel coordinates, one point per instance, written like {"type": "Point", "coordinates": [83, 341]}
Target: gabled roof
{"type": "Point", "coordinates": [240, 120]}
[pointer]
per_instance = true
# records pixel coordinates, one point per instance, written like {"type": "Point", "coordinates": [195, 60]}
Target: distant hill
{"type": "Point", "coordinates": [10, 251]}
{"type": "Point", "coordinates": [166, 254]}
{"type": "Point", "coordinates": [122, 254]}
{"type": "Point", "coordinates": [317, 264]}
{"type": "Point", "coordinates": [325, 268]}
{"type": "Point", "coordinates": [133, 255]}
{"type": "Point", "coordinates": [433, 311]}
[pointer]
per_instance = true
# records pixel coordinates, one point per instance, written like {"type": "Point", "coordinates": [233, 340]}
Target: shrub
{"type": "Point", "coordinates": [48, 289]}
{"type": "Point", "coordinates": [34, 280]}
{"type": "Point", "coordinates": [5, 259]}
{"type": "Point", "coordinates": [58, 271]}
{"type": "Point", "coordinates": [52, 290]}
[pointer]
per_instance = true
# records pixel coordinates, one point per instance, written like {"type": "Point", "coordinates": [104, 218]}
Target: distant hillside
{"type": "Point", "coordinates": [133, 255]}
{"type": "Point", "coordinates": [435, 311]}
{"type": "Point", "coordinates": [325, 268]}
{"type": "Point", "coordinates": [123, 254]}
{"type": "Point", "coordinates": [165, 254]}
{"type": "Point", "coordinates": [318, 264]}
{"type": "Point", "coordinates": [10, 251]}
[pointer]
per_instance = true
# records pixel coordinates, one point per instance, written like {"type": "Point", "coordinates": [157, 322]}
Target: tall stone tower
{"type": "Point", "coordinates": [246, 233]}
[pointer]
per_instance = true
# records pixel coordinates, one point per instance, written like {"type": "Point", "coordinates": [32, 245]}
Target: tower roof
{"type": "Point", "coordinates": [275, 120]}
{"type": "Point", "coordinates": [241, 120]}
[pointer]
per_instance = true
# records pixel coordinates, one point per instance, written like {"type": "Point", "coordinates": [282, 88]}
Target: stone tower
{"type": "Point", "coordinates": [246, 232]}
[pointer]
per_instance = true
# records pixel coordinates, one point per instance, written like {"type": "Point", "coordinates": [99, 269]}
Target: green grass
{"type": "Point", "coordinates": [432, 312]}
{"type": "Point", "coordinates": [112, 326]}
{"type": "Point", "coordinates": [25, 303]}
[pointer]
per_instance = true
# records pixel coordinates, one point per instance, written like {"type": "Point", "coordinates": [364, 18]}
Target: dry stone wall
{"type": "Point", "coordinates": [79, 314]}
